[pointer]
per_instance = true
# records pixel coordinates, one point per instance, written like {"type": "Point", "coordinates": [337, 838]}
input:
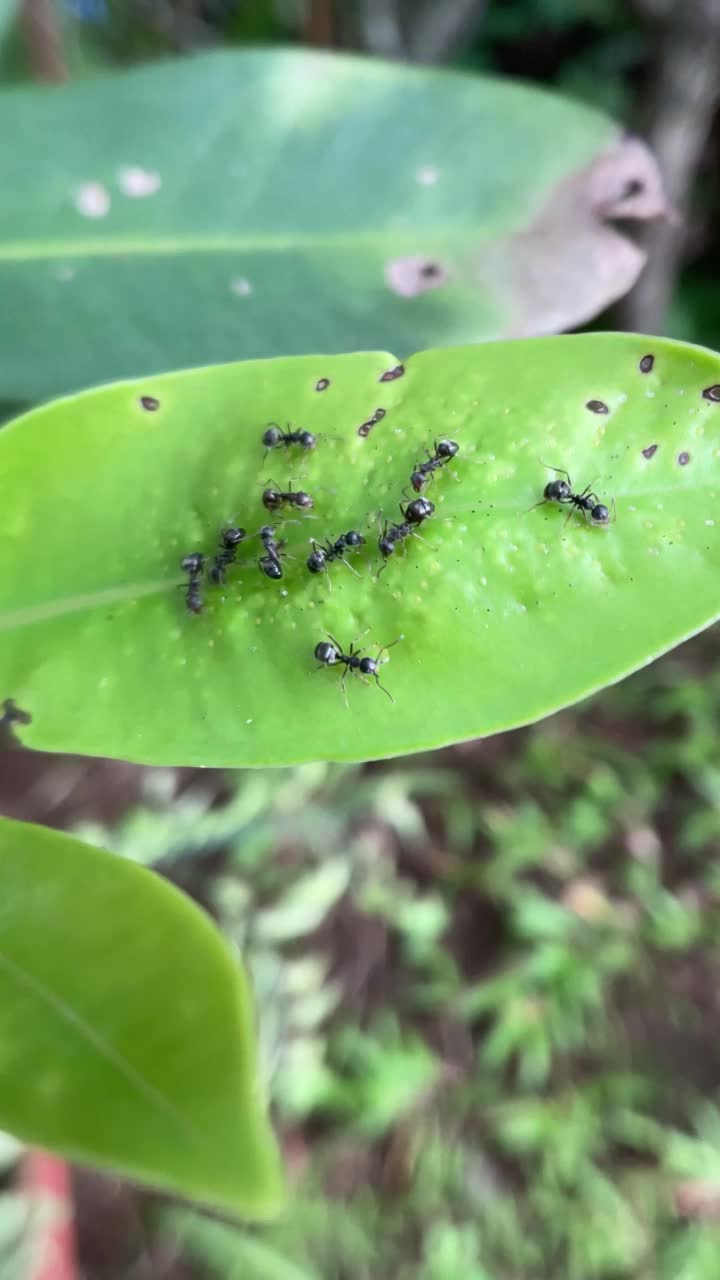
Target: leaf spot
{"type": "Point", "coordinates": [712, 393]}
{"type": "Point", "coordinates": [597, 406]}
{"type": "Point", "coordinates": [322, 384]}
{"type": "Point", "coordinates": [391, 374]}
{"type": "Point", "coordinates": [683, 458]}
{"type": "Point", "coordinates": [426, 175]}
{"type": "Point", "coordinates": [366, 427]}
{"type": "Point", "coordinates": [241, 287]}
{"type": "Point", "coordinates": [151, 403]}
{"type": "Point", "coordinates": [92, 200]}
{"type": "Point", "coordinates": [646, 364]}
{"type": "Point", "coordinates": [409, 277]}
{"type": "Point", "coordinates": [136, 182]}
{"type": "Point", "coordinates": [650, 451]}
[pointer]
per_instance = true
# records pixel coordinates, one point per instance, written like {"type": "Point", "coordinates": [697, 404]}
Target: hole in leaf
{"type": "Point", "coordinates": [597, 406]}
{"type": "Point", "coordinates": [650, 451]}
{"type": "Point", "coordinates": [683, 458]}
{"type": "Point", "coordinates": [391, 374]}
{"type": "Point", "coordinates": [647, 363]}
{"type": "Point", "coordinates": [712, 393]}
{"type": "Point", "coordinates": [150, 403]}
{"type": "Point", "coordinates": [322, 384]}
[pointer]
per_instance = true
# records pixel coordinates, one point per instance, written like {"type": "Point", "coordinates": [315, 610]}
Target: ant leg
{"type": "Point", "coordinates": [558, 471]}
{"type": "Point", "coordinates": [350, 567]}
{"type": "Point", "coordinates": [334, 641]}
{"type": "Point", "coordinates": [382, 686]}
{"type": "Point", "coordinates": [613, 517]}
{"type": "Point", "coordinates": [344, 688]}
{"type": "Point", "coordinates": [388, 646]}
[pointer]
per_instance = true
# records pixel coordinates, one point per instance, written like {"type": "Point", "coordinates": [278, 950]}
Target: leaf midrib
{"type": "Point", "coordinates": [257, 242]}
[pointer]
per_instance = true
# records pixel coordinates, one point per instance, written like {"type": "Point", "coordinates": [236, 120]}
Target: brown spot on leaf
{"type": "Point", "coordinates": [650, 451]}
{"type": "Point", "coordinates": [322, 384]}
{"type": "Point", "coordinates": [409, 277]}
{"type": "Point", "coordinates": [366, 427]}
{"type": "Point", "coordinates": [151, 403]}
{"type": "Point", "coordinates": [683, 458]}
{"type": "Point", "coordinates": [712, 393]}
{"type": "Point", "coordinates": [597, 406]}
{"type": "Point", "coordinates": [647, 363]}
{"type": "Point", "coordinates": [391, 374]}
{"type": "Point", "coordinates": [568, 261]}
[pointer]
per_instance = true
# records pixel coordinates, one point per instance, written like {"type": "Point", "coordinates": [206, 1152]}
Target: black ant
{"type": "Point", "coordinates": [321, 556]}
{"type": "Point", "coordinates": [587, 502]}
{"type": "Point", "coordinates": [193, 567]}
{"type": "Point", "coordinates": [444, 451]}
{"type": "Point", "coordinates": [269, 564]}
{"type": "Point", "coordinates": [274, 499]}
{"type": "Point", "coordinates": [329, 654]}
{"type": "Point", "coordinates": [229, 540]}
{"type": "Point", "coordinates": [413, 514]}
{"type": "Point", "coordinates": [274, 436]}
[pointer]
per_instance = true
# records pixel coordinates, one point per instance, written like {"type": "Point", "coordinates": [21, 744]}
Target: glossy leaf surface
{"type": "Point", "coordinates": [505, 613]}
{"type": "Point", "coordinates": [125, 1026]}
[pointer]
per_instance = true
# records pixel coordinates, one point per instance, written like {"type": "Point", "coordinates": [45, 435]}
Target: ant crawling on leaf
{"type": "Point", "coordinates": [274, 499]}
{"type": "Point", "coordinates": [273, 437]}
{"type": "Point", "coordinates": [413, 515]}
{"type": "Point", "coordinates": [444, 451]}
{"type": "Point", "coordinates": [229, 540]}
{"type": "Point", "coordinates": [323, 554]}
{"type": "Point", "coordinates": [193, 567]}
{"type": "Point", "coordinates": [269, 564]}
{"type": "Point", "coordinates": [587, 502]}
{"type": "Point", "coordinates": [329, 653]}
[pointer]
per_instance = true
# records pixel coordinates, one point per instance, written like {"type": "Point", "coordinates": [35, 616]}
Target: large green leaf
{"type": "Point", "coordinates": [506, 613]}
{"type": "Point", "coordinates": [125, 1028]}
{"type": "Point", "coordinates": [277, 202]}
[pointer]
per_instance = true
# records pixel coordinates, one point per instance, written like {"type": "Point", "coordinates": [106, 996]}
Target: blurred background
{"type": "Point", "coordinates": [488, 978]}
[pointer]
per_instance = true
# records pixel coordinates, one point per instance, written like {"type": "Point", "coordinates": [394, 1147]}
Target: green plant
{"type": "Point", "coordinates": [523, 608]}
{"type": "Point", "coordinates": [413, 206]}
{"type": "Point", "coordinates": [115, 1070]}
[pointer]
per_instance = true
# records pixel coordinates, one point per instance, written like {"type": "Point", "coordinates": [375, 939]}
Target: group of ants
{"type": "Point", "coordinates": [414, 513]}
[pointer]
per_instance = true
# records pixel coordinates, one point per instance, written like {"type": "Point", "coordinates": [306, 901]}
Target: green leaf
{"type": "Point", "coordinates": [503, 613]}
{"type": "Point", "coordinates": [145, 226]}
{"type": "Point", "coordinates": [125, 1027]}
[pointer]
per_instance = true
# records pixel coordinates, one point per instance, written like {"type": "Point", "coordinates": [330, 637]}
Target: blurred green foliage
{"type": "Point", "coordinates": [486, 988]}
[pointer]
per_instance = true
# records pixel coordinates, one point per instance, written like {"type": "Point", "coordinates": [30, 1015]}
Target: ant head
{"type": "Point", "coordinates": [418, 510]}
{"type": "Point", "coordinates": [354, 539]}
{"type": "Point", "coordinates": [193, 563]}
{"type": "Point", "coordinates": [316, 560]}
{"type": "Point", "coordinates": [417, 480]}
{"type": "Point", "coordinates": [386, 545]}
{"type": "Point", "coordinates": [557, 491]}
{"type": "Point", "coordinates": [232, 537]}
{"type": "Point", "coordinates": [307, 440]}
{"type": "Point", "coordinates": [267, 531]}
{"type": "Point", "coordinates": [303, 500]}
{"type": "Point", "coordinates": [368, 666]}
{"type": "Point", "coordinates": [446, 448]}
{"type": "Point", "coordinates": [600, 514]}
{"type": "Point", "coordinates": [272, 499]}
{"type": "Point", "coordinates": [272, 436]}
{"type": "Point", "coordinates": [326, 653]}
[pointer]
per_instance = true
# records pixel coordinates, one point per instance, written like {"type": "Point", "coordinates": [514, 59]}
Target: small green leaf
{"type": "Point", "coordinates": [368, 204]}
{"type": "Point", "coordinates": [504, 612]}
{"type": "Point", "coordinates": [125, 1026]}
